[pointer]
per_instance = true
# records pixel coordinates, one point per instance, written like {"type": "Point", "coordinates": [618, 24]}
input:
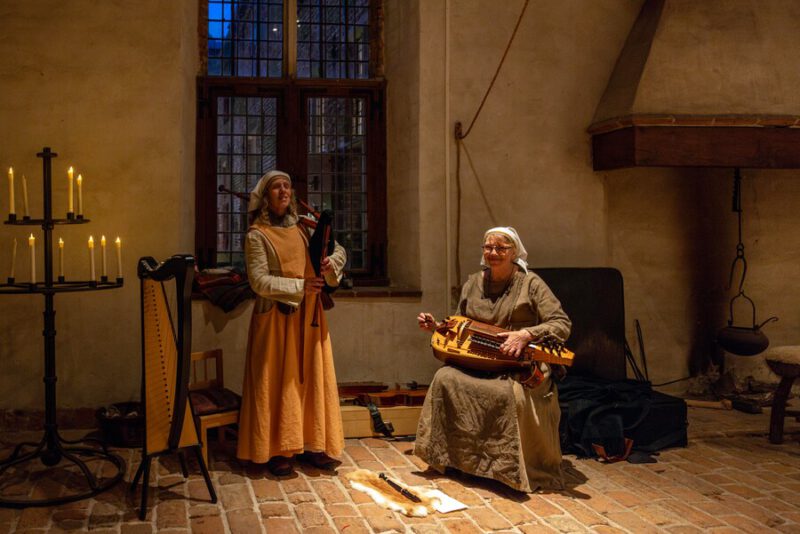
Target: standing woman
{"type": "Point", "coordinates": [290, 402]}
{"type": "Point", "coordinates": [491, 425]}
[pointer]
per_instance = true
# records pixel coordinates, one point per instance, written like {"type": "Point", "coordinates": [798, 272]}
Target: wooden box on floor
{"type": "Point", "coordinates": [357, 422]}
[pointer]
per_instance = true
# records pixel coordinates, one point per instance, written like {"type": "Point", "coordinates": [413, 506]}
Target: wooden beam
{"type": "Point", "coordinates": [686, 146]}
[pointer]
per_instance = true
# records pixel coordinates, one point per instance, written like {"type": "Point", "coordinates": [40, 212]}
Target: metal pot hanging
{"type": "Point", "coordinates": [742, 340]}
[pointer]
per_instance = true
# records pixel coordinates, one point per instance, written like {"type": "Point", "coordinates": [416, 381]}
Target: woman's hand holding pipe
{"type": "Point", "coordinates": [313, 284]}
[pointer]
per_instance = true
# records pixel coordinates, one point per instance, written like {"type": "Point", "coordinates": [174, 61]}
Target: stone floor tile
{"type": "Point", "coordinates": [207, 525]}
{"type": "Point", "coordinates": [351, 525]}
{"type": "Point", "coordinates": [243, 522]}
{"type": "Point", "coordinates": [280, 525]}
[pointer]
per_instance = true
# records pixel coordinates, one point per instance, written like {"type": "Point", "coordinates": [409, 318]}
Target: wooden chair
{"type": "Point", "coordinates": [213, 405]}
{"type": "Point", "coordinates": [785, 362]}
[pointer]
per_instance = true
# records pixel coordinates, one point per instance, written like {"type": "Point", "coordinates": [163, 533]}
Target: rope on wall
{"type": "Point", "coordinates": [460, 135]}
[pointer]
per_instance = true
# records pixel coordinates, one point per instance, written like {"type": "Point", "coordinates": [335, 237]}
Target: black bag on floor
{"type": "Point", "coordinates": [611, 418]}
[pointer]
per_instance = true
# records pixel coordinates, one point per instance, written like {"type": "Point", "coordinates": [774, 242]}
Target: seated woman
{"type": "Point", "coordinates": [490, 425]}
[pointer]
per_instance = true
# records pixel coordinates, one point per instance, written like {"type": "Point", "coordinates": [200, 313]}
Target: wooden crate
{"type": "Point", "coordinates": [357, 422]}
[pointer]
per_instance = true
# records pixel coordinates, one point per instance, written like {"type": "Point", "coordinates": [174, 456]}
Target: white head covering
{"type": "Point", "coordinates": [510, 233]}
{"type": "Point", "coordinates": [257, 194]}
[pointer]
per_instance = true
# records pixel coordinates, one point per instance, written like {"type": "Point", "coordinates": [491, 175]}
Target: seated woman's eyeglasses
{"type": "Point", "coordinates": [500, 249]}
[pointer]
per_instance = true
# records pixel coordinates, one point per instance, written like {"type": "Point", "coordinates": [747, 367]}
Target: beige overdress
{"type": "Point", "coordinates": [488, 425]}
{"type": "Point", "coordinates": [290, 401]}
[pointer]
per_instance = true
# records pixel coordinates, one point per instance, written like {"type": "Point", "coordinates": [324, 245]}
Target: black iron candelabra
{"type": "Point", "coordinates": [52, 448]}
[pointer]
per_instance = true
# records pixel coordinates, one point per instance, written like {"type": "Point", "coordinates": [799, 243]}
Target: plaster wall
{"type": "Point", "coordinates": [733, 57]}
{"type": "Point", "coordinates": [110, 87]}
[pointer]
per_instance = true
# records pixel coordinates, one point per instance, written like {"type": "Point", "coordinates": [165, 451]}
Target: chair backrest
{"type": "Point", "coordinates": [201, 362]}
{"type": "Point", "coordinates": [593, 299]}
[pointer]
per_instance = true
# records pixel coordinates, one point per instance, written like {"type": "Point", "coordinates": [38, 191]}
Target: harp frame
{"type": "Point", "coordinates": [181, 268]}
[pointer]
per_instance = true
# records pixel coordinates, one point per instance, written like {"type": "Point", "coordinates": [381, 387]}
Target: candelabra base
{"type": "Point", "coordinates": [10, 280]}
{"type": "Point", "coordinates": [26, 217]}
{"type": "Point", "coordinates": [70, 215]}
{"type": "Point", "coordinates": [104, 279]}
{"type": "Point", "coordinates": [70, 457]}
{"type": "Point", "coordinates": [119, 279]}
{"type": "Point", "coordinates": [80, 216]}
{"type": "Point", "coordinates": [61, 279]}
{"type": "Point", "coordinates": [12, 217]}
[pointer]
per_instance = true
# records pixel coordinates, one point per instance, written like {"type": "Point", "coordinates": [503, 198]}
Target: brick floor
{"type": "Point", "coordinates": [729, 479]}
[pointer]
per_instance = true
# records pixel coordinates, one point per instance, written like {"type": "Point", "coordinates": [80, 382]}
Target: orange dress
{"type": "Point", "coordinates": [290, 401]}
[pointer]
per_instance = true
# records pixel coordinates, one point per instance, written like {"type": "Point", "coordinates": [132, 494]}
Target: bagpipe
{"type": "Point", "coordinates": [320, 245]}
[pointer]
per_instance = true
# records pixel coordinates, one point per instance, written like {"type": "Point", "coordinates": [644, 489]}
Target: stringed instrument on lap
{"type": "Point", "coordinates": [463, 342]}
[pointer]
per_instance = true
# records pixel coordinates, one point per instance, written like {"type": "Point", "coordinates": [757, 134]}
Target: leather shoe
{"type": "Point", "coordinates": [320, 460]}
{"type": "Point", "coordinates": [279, 466]}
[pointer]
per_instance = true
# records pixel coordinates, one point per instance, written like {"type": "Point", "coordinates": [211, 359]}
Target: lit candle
{"type": "Point", "coordinates": [13, 258]}
{"type": "Point", "coordinates": [69, 189]}
{"type": "Point", "coordinates": [119, 257]}
{"type": "Point", "coordinates": [91, 258]}
{"type": "Point", "coordinates": [60, 258]}
{"type": "Point", "coordinates": [32, 244]}
{"type": "Point", "coordinates": [80, 195]}
{"type": "Point", "coordinates": [24, 196]}
{"type": "Point", "coordinates": [11, 191]}
{"type": "Point", "coordinates": [103, 273]}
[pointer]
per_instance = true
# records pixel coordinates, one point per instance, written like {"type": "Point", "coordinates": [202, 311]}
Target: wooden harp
{"type": "Point", "coordinates": [166, 363]}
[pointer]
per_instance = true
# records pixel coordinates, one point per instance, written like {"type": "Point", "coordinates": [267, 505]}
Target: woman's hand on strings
{"type": "Point", "coordinates": [426, 322]}
{"type": "Point", "coordinates": [515, 342]}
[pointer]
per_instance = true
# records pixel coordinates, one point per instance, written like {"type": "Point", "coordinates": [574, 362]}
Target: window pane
{"type": "Point", "coordinates": [333, 39]}
{"type": "Point", "coordinates": [250, 33]}
{"type": "Point", "coordinates": [337, 174]}
{"type": "Point", "coordinates": [241, 160]}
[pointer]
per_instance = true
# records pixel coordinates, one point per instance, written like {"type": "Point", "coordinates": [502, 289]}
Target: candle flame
{"type": "Point", "coordinates": [70, 172]}
{"type": "Point", "coordinates": [60, 243]}
{"type": "Point", "coordinates": [91, 242]}
{"type": "Point", "coordinates": [31, 240]}
{"type": "Point", "coordinates": [11, 172]}
{"type": "Point", "coordinates": [118, 241]}
{"type": "Point", "coordinates": [80, 179]}
{"type": "Point", "coordinates": [103, 240]}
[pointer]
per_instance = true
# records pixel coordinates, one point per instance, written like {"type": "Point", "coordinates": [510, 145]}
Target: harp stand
{"type": "Point", "coordinates": [52, 448]}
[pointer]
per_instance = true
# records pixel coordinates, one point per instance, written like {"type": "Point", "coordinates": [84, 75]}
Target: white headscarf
{"type": "Point", "coordinates": [510, 233]}
{"type": "Point", "coordinates": [257, 194]}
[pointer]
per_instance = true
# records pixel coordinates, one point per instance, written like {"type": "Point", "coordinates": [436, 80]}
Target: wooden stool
{"type": "Point", "coordinates": [785, 362]}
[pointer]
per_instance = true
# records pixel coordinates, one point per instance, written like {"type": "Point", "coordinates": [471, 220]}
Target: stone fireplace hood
{"type": "Point", "coordinates": [712, 83]}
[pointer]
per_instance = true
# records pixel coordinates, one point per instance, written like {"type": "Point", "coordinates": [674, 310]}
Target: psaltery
{"type": "Point", "coordinates": [166, 361]}
{"type": "Point", "coordinates": [474, 345]}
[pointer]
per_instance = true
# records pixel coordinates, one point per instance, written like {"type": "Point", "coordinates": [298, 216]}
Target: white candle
{"type": "Point", "coordinates": [60, 258]}
{"type": "Point", "coordinates": [32, 244]}
{"type": "Point", "coordinates": [24, 196]}
{"type": "Point", "coordinates": [11, 191]}
{"type": "Point", "coordinates": [104, 272]}
{"type": "Point", "coordinates": [119, 257]}
{"type": "Point", "coordinates": [13, 258]}
{"type": "Point", "coordinates": [69, 189]}
{"type": "Point", "coordinates": [80, 195]}
{"type": "Point", "coordinates": [91, 258]}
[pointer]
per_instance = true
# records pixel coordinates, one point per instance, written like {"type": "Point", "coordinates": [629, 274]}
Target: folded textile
{"type": "Point", "coordinates": [224, 288]}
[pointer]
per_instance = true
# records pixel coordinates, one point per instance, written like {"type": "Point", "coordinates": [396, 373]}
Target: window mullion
{"type": "Point", "coordinates": [290, 38]}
